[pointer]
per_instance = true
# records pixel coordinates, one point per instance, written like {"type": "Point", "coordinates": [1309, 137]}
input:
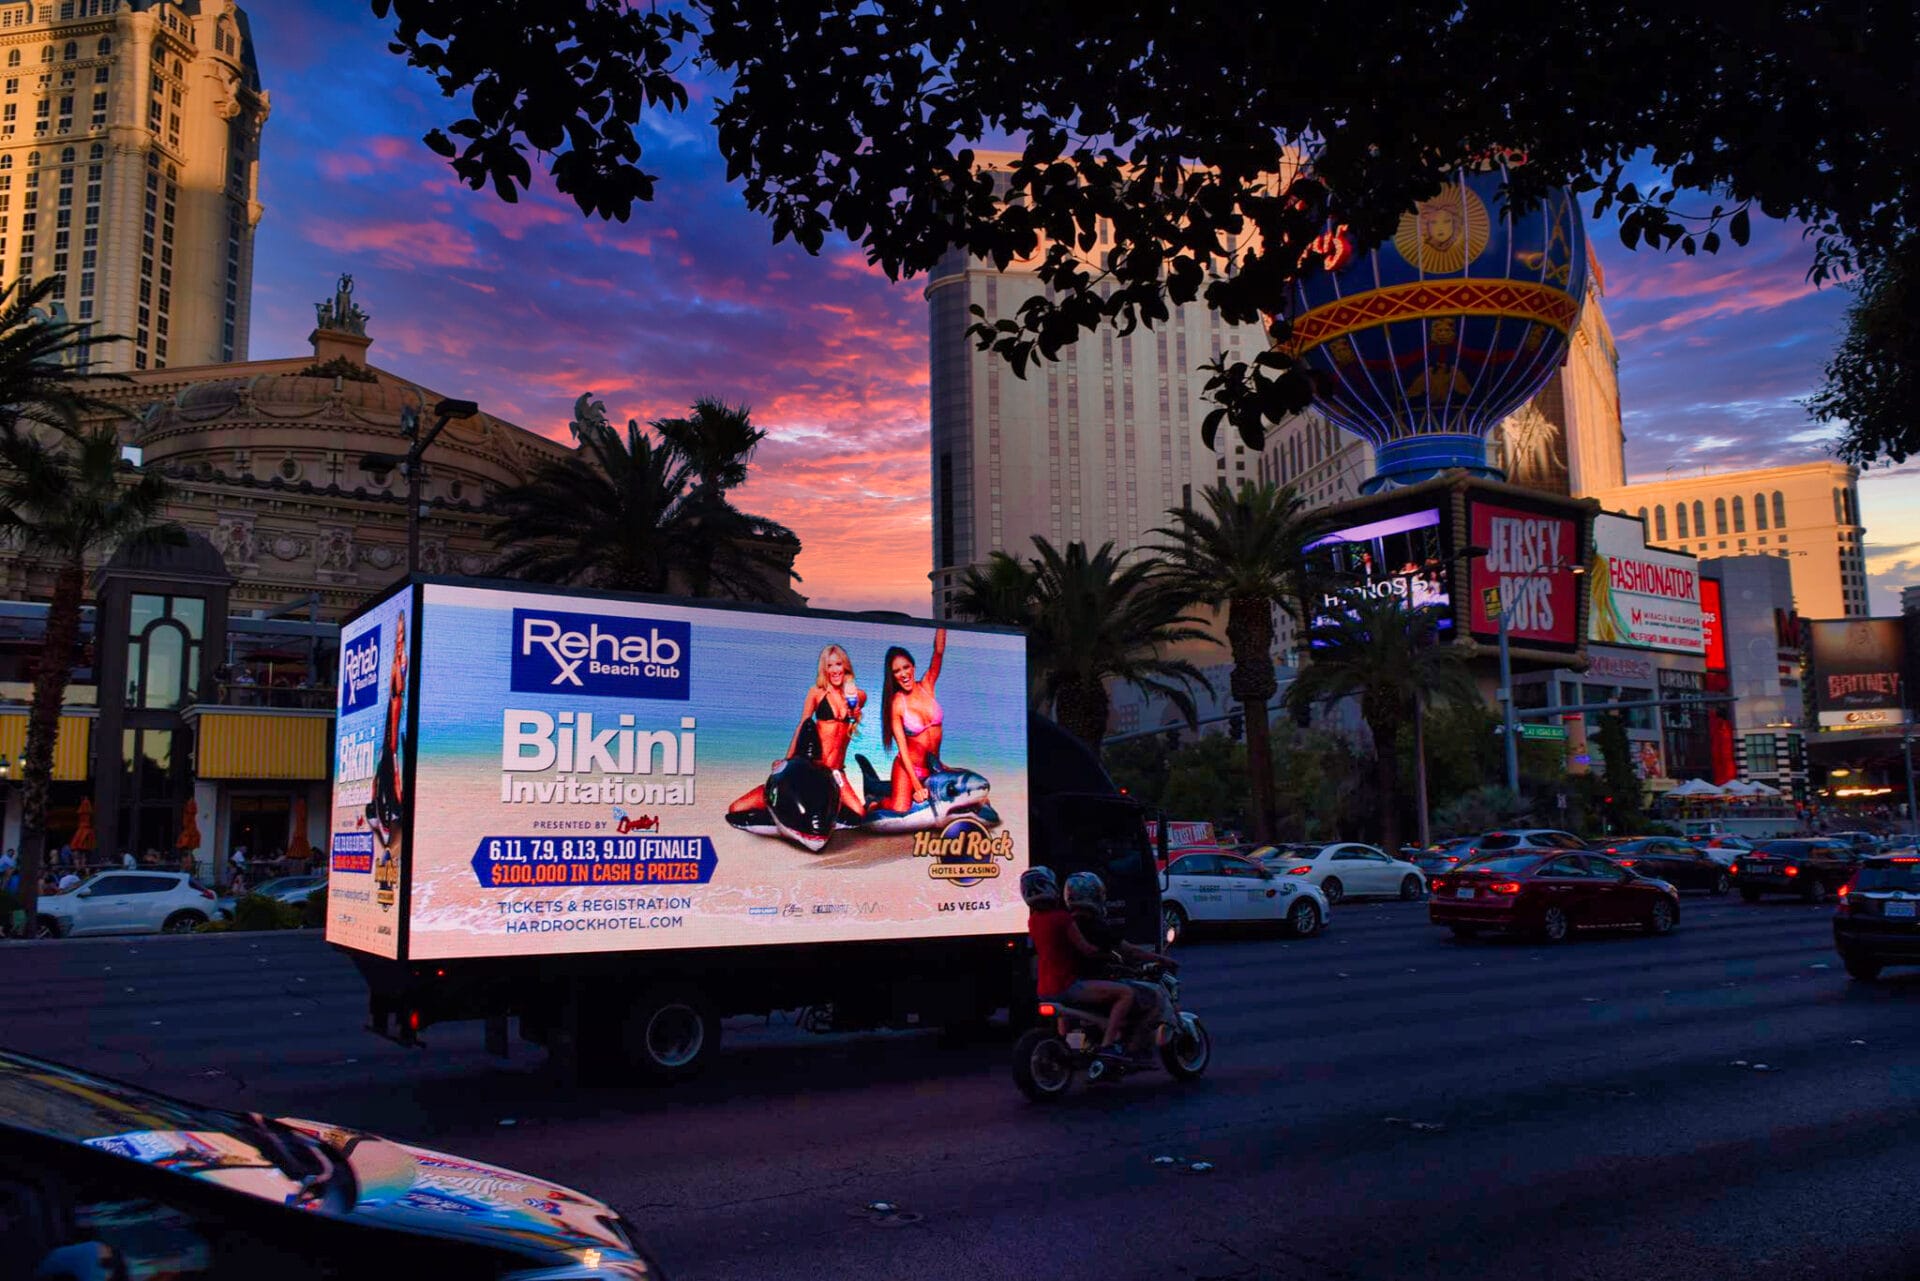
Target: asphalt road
{"type": "Point", "coordinates": [1385, 1102]}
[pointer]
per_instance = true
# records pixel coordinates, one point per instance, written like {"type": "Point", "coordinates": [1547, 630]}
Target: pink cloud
{"type": "Point", "coordinates": [401, 244]}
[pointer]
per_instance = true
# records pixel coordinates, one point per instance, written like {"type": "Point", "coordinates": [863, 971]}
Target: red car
{"type": "Point", "coordinates": [1552, 893]}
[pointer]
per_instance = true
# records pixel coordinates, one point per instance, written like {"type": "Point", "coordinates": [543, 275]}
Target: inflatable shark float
{"type": "Point", "coordinates": [803, 801]}
{"type": "Point", "coordinates": [950, 792]}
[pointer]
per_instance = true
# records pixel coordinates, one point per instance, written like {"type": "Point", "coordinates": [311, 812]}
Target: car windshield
{"type": "Point", "coordinates": [1902, 875]}
{"type": "Point", "coordinates": [1284, 853]}
{"type": "Point", "coordinates": [1502, 863]}
{"type": "Point", "coordinates": [1499, 841]}
{"type": "Point", "coordinates": [281, 884]}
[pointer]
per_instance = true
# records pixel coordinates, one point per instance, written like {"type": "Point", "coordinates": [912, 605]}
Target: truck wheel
{"type": "Point", "coordinates": [1043, 1065]}
{"type": "Point", "coordinates": [670, 1033]}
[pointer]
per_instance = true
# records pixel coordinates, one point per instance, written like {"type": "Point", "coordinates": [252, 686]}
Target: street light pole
{"type": "Point", "coordinates": [1510, 731]}
{"type": "Point", "coordinates": [443, 413]}
{"type": "Point", "coordinates": [1906, 756]}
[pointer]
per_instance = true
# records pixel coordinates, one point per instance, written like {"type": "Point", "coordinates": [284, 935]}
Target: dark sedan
{"type": "Point", "coordinates": [1809, 869]}
{"type": "Point", "coordinates": [103, 1179]}
{"type": "Point", "coordinates": [1878, 923]}
{"type": "Point", "coordinates": [1675, 862]}
{"type": "Point", "coordinates": [1444, 856]}
{"type": "Point", "coordinates": [1553, 894]}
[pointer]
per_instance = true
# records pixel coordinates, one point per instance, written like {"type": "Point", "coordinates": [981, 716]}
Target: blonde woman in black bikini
{"type": "Point", "coordinates": [833, 705]}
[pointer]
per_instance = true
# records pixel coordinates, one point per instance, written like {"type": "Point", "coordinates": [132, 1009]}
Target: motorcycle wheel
{"type": "Point", "coordinates": [1191, 1050]}
{"type": "Point", "coordinates": [1042, 1065]}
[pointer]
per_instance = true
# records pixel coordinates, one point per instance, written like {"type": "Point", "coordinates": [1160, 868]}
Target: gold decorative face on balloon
{"type": "Point", "coordinates": [1444, 234]}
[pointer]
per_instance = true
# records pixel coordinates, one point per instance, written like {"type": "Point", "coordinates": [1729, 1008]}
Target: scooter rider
{"type": "Point", "coordinates": [1069, 966]}
{"type": "Point", "coordinates": [1096, 943]}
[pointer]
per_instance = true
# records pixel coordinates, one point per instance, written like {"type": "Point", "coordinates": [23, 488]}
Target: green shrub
{"type": "Point", "coordinates": [257, 913]}
{"type": "Point", "coordinates": [213, 927]}
{"type": "Point", "coordinates": [313, 912]}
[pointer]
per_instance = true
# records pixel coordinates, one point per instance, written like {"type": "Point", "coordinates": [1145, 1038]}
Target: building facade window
{"type": "Point", "coordinates": [1680, 519]}
{"type": "Point", "coordinates": [1779, 510]}
{"type": "Point", "coordinates": [1719, 515]}
{"type": "Point", "coordinates": [1739, 515]}
{"type": "Point", "coordinates": [1660, 523]}
{"type": "Point", "coordinates": [1759, 511]}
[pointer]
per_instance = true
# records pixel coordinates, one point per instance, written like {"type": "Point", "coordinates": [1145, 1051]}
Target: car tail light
{"type": "Point", "coordinates": [1047, 1010]}
{"type": "Point", "coordinates": [1626, 862]}
{"type": "Point", "coordinates": [1906, 858]}
{"type": "Point", "coordinates": [205, 892]}
{"type": "Point", "coordinates": [1300, 871]}
{"type": "Point", "coordinates": [1505, 887]}
{"type": "Point", "coordinates": [1612, 849]}
{"type": "Point", "coordinates": [1793, 871]}
{"type": "Point", "coordinates": [1733, 869]}
{"type": "Point", "coordinates": [413, 1020]}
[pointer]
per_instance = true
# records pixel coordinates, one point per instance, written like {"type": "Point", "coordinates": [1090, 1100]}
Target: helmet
{"type": "Point", "coordinates": [1085, 889]}
{"type": "Point", "coordinates": [1038, 886]}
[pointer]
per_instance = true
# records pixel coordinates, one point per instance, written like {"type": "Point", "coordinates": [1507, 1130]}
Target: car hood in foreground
{"type": "Point", "coordinates": [426, 1191]}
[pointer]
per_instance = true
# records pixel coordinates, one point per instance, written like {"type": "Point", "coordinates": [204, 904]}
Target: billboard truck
{"type": "Point", "coordinates": [619, 819]}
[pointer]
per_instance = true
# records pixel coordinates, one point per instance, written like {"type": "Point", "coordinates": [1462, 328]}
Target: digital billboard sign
{"type": "Point", "coordinates": [601, 774]}
{"type": "Point", "coordinates": [1859, 667]}
{"type": "Point", "coordinates": [1524, 565]}
{"type": "Point", "coordinates": [1641, 597]}
{"type": "Point", "coordinates": [366, 843]}
{"type": "Point", "coordinates": [1713, 624]}
{"type": "Point", "coordinates": [1400, 556]}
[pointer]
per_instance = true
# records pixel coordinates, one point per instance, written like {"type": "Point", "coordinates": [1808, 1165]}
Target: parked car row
{"type": "Point", "coordinates": [152, 903]}
{"type": "Point", "coordinates": [1294, 887]}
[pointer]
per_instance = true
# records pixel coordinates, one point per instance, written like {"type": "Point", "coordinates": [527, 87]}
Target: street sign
{"type": "Point", "coordinates": [1560, 801]}
{"type": "Point", "coordinates": [1490, 603]}
{"type": "Point", "coordinates": [1557, 733]}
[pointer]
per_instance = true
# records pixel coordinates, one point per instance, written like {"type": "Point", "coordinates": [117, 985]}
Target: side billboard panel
{"type": "Point", "coordinates": [1638, 596]}
{"type": "Point", "coordinates": [365, 843]}
{"type": "Point", "coordinates": [615, 775]}
{"type": "Point", "coordinates": [1859, 665]}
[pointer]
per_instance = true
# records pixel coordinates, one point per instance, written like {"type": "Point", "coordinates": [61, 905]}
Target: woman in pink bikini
{"type": "Point", "coordinates": [910, 715]}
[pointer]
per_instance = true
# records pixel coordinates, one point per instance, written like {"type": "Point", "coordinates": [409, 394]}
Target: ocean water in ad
{"type": "Point", "coordinates": [607, 775]}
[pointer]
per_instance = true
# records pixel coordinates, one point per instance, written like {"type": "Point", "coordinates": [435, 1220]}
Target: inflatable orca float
{"type": "Point", "coordinates": [803, 799]}
{"type": "Point", "coordinates": [949, 792]}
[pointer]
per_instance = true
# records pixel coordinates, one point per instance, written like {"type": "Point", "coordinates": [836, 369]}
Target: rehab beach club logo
{"type": "Point", "coordinates": [601, 655]}
{"type": "Point", "coordinates": [360, 673]}
{"type": "Point", "coordinates": [964, 852]}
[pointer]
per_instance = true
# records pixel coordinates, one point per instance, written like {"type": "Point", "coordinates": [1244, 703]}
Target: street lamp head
{"type": "Point", "coordinates": [452, 409]}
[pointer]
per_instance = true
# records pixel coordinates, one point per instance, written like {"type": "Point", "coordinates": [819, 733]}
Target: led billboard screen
{"type": "Point", "coordinates": [1637, 596]}
{"type": "Point", "coordinates": [1398, 556]}
{"type": "Point", "coordinates": [1525, 566]}
{"type": "Point", "coordinates": [605, 774]}
{"type": "Point", "coordinates": [1858, 672]}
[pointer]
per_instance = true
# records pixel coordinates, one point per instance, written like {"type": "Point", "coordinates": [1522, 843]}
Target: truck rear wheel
{"type": "Point", "coordinates": [670, 1033]}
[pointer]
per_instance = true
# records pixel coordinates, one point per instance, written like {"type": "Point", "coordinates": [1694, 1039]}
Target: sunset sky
{"type": "Point", "coordinates": [523, 307]}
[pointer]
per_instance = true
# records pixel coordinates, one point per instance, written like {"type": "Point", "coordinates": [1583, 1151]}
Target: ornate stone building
{"type": "Point", "coordinates": [269, 461]}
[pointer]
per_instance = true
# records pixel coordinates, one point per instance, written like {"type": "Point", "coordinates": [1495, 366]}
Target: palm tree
{"type": "Point", "coordinates": [65, 497]}
{"type": "Point", "coordinates": [1003, 593]}
{"type": "Point", "coordinates": [1090, 619]}
{"type": "Point", "coordinates": [629, 514]}
{"type": "Point", "coordinates": [1247, 549]}
{"type": "Point", "coordinates": [718, 440]}
{"type": "Point", "coordinates": [1383, 653]}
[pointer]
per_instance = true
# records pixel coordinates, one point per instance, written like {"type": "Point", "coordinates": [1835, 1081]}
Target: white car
{"type": "Point", "coordinates": [1346, 868]}
{"type": "Point", "coordinates": [1222, 889]}
{"type": "Point", "coordinates": [129, 903]}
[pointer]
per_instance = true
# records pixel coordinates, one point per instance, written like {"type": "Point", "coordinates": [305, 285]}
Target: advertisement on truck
{"type": "Point", "coordinates": [367, 845]}
{"type": "Point", "coordinates": [603, 775]}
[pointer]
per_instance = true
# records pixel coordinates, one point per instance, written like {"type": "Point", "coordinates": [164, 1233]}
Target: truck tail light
{"type": "Point", "coordinates": [1048, 1010]}
{"type": "Point", "coordinates": [1792, 871]}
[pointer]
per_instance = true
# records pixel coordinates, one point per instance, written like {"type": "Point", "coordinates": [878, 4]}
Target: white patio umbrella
{"type": "Point", "coordinates": [1696, 787]}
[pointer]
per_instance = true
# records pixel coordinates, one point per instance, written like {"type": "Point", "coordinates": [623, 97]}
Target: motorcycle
{"type": "Point", "coordinates": [1048, 1058]}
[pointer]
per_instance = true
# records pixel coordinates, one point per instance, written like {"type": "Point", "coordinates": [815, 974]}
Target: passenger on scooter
{"type": "Point", "coordinates": [1096, 944]}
